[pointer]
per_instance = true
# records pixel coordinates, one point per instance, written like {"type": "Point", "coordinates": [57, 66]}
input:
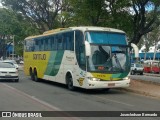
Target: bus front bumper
{"type": "Point", "coordinates": [108, 84]}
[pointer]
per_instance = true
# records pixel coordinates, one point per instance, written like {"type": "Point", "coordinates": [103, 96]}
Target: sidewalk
{"type": "Point", "coordinates": [144, 87]}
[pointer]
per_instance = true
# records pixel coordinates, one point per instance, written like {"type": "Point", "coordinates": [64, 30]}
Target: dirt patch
{"type": "Point", "coordinates": [144, 88]}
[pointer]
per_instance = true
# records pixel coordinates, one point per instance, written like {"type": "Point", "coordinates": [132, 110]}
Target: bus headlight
{"type": "Point", "coordinates": [126, 78]}
{"type": "Point", "coordinates": [93, 79]}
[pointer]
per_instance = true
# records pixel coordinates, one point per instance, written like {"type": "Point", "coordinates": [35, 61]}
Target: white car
{"type": "Point", "coordinates": [8, 72]}
{"type": "Point", "coordinates": [12, 61]}
{"type": "Point", "coordinates": [136, 68]}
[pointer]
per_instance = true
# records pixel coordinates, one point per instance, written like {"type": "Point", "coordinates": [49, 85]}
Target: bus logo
{"type": "Point", "coordinates": [80, 80]}
{"type": "Point", "coordinates": [39, 56]}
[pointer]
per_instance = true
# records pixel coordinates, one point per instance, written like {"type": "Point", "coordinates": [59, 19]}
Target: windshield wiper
{"type": "Point", "coordinates": [117, 61]}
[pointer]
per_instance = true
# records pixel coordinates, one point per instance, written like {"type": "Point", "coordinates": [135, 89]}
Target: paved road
{"type": "Point", "coordinates": [148, 77]}
{"type": "Point", "coordinates": [47, 96]}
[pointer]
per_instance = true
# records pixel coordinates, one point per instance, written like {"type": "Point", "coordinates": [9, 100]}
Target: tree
{"type": "Point", "coordinates": [86, 12]}
{"type": "Point", "coordinates": [41, 13]}
{"type": "Point", "coordinates": [144, 20]}
{"type": "Point", "coordinates": [155, 38]}
{"type": "Point", "coordinates": [135, 17]}
{"type": "Point", "coordinates": [12, 23]}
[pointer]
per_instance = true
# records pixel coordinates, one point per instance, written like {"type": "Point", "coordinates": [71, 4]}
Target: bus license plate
{"type": "Point", "coordinates": [111, 84]}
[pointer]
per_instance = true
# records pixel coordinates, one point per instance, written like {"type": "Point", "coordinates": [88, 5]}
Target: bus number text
{"type": "Point", "coordinates": [39, 56]}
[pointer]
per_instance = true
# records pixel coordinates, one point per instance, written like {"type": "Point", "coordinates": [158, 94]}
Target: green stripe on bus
{"type": "Point", "coordinates": [54, 62]}
{"type": "Point", "coordinates": [120, 75]}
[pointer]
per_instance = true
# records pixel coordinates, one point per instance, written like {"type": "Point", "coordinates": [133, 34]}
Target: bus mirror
{"type": "Point", "coordinates": [87, 48]}
{"type": "Point", "coordinates": [136, 50]}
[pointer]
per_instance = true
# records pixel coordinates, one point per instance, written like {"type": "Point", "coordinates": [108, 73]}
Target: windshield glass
{"type": "Point", "coordinates": [108, 58]}
{"type": "Point", "coordinates": [104, 37]}
{"type": "Point", "coordinates": [6, 65]}
{"type": "Point", "coordinates": [139, 65]}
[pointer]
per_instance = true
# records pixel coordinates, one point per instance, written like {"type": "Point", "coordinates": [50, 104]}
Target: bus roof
{"type": "Point", "coordinates": [82, 28]}
{"type": "Point", "coordinates": [94, 28]}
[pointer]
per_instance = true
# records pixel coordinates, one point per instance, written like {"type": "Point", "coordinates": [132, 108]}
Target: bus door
{"type": "Point", "coordinates": [80, 65]}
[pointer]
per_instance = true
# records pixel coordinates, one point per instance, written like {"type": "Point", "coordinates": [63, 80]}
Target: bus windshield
{"type": "Point", "coordinates": [103, 37]}
{"type": "Point", "coordinates": [106, 58]}
{"type": "Point", "coordinates": [109, 52]}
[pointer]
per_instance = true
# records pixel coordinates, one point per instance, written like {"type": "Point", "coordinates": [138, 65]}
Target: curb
{"type": "Point", "coordinates": [142, 92]}
{"type": "Point", "coordinates": [150, 74]}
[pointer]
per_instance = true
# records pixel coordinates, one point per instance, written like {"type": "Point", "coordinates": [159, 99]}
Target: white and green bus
{"type": "Point", "coordinates": [85, 57]}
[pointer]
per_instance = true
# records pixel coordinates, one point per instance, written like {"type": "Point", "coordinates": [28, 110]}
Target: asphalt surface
{"type": "Point", "coordinates": [155, 78]}
{"type": "Point", "coordinates": [28, 95]}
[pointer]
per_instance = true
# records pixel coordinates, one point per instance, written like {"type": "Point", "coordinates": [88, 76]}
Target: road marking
{"type": "Point", "coordinates": [48, 106]}
{"type": "Point", "coordinates": [115, 101]}
{"type": "Point", "coordinates": [45, 104]}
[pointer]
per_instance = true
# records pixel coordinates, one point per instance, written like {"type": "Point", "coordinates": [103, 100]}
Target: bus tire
{"type": "Point", "coordinates": [31, 74]}
{"type": "Point", "coordinates": [105, 89]}
{"type": "Point", "coordinates": [36, 79]}
{"type": "Point", "coordinates": [70, 82]}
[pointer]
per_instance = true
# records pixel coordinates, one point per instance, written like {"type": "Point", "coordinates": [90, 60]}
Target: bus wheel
{"type": "Point", "coordinates": [105, 89]}
{"type": "Point", "coordinates": [36, 79]}
{"type": "Point", "coordinates": [31, 74]}
{"type": "Point", "coordinates": [70, 83]}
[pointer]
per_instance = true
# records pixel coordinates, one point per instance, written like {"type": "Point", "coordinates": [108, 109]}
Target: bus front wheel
{"type": "Point", "coordinates": [70, 83]}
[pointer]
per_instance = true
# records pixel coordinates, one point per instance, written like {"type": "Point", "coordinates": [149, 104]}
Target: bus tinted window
{"type": "Point", "coordinates": [29, 45]}
{"type": "Point", "coordinates": [46, 44]}
{"type": "Point", "coordinates": [106, 37]}
{"type": "Point", "coordinates": [42, 44]}
{"type": "Point", "coordinates": [69, 41]}
{"type": "Point", "coordinates": [80, 50]}
{"type": "Point", "coordinates": [53, 43]}
{"type": "Point", "coordinates": [36, 45]}
{"type": "Point", "coordinates": [49, 43]}
{"type": "Point", "coordinates": [60, 42]}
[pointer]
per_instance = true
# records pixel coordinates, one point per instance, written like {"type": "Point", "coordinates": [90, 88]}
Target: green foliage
{"type": "Point", "coordinates": [41, 13]}
{"type": "Point", "coordinates": [12, 23]}
{"type": "Point", "coordinates": [135, 17]}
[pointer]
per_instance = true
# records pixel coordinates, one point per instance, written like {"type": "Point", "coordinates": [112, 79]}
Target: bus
{"type": "Point", "coordinates": [86, 57]}
{"type": "Point", "coordinates": [152, 66]}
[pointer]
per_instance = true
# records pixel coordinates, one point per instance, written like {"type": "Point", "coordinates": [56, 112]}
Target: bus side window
{"type": "Point", "coordinates": [36, 45]}
{"type": "Point", "coordinates": [68, 45]}
{"type": "Point", "coordinates": [29, 45]}
{"type": "Point", "coordinates": [80, 50]}
{"type": "Point", "coordinates": [70, 41]}
{"type": "Point", "coordinates": [60, 42]}
{"type": "Point", "coordinates": [39, 44]}
{"type": "Point", "coordinates": [42, 44]}
{"type": "Point", "coordinates": [46, 45]}
{"type": "Point", "coordinates": [32, 45]}
{"type": "Point", "coordinates": [65, 41]}
{"type": "Point", "coordinates": [49, 43]}
{"type": "Point", "coordinates": [53, 43]}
